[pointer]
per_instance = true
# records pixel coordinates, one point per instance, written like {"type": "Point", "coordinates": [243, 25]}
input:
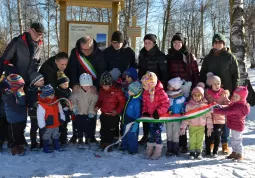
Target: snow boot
{"type": "Point", "coordinates": [198, 155]}
{"type": "Point", "coordinates": [17, 150]}
{"type": "Point", "coordinates": [225, 149]}
{"type": "Point", "coordinates": [157, 153]}
{"type": "Point", "coordinates": [238, 157]}
{"type": "Point", "coordinates": [46, 148]}
{"type": "Point", "coordinates": [169, 151]}
{"type": "Point", "coordinates": [73, 139]}
{"type": "Point", "coordinates": [192, 155]}
{"type": "Point", "coordinates": [149, 152]}
{"type": "Point", "coordinates": [34, 146]}
{"type": "Point", "coordinates": [56, 145]}
{"type": "Point", "coordinates": [176, 149]}
{"type": "Point", "coordinates": [232, 155]}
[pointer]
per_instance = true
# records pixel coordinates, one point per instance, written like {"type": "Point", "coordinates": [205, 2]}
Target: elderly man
{"type": "Point", "coordinates": [119, 55]}
{"type": "Point", "coordinates": [23, 52]}
{"type": "Point", "coordinates": [86, 57]}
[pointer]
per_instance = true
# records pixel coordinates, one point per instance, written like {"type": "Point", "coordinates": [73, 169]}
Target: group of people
{"type": "Point", "coordinates": [124, 88]}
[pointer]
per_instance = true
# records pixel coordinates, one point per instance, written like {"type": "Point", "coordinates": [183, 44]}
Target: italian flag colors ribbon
{"type": "Point", "coordinates": [87, 66]}
{"type": "Point", "coordinates": [178, 117]}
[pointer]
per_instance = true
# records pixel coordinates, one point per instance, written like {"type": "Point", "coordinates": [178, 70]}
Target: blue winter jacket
{"type": "Point", "coordinates": [133, 109]}
{"type": "Point", "coordinates": [177, 105]}
{"type": "Point", "coordinates": [15, 107]}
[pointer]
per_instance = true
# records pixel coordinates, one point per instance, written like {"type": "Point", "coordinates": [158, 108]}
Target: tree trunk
{"type": "Point", "coordinates": [166, 24]}
{"type": "Point", "coordinates": [20, 17]}
{"type": "Point", "coordinates": [56, 26]}
{"type": "Point", "coordinates": [146, 16]}
{"type": "Point", "coordinates": [202, 28]}
{"type": "Point", "coordinates": [48, 25]}
{"type": "Point", "coordinates": [10, 17]}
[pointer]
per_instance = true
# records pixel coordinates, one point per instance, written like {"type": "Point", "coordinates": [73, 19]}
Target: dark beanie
{"type": "Point", "coordinates": [150, 37]}
{"type": "Point", "coordinates": [178, 36]}
{"type": "Point", "coordinates": [35, 77]}
{"type": "Point", "coordinates": [62, 78]}
{"type": "Point", "coordinates": [118, 36]}
{"type": "Point", "coordinates": [38, 27]}
{"type": "Point", "coordinates": [218, 37]}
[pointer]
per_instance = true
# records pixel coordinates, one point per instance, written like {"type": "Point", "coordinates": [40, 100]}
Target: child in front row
{"type": "Point", "coordinates": [197, 125]}
{"type": "Point", "coordinates": [49, 115]}
{"type": "Point", "coordinates": [236, 113]}
{"type": "Point", "coordinates": [84, 101]}
{"type": "Point", "coordinates": [177, 106]}
{"type": "Point", "coordinates": [132, 112]}
{"type": "Point", "coordinates": [215, 94]}
{"type": "Point", "coordinates": [155, 103]}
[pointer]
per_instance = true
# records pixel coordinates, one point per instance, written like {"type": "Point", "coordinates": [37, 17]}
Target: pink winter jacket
{"type": "Point", "coordinates": [200, 121]}
{"type": "Point", "coordinates": [236, 113]}
{"type": "Point", "coordinates": [160, 103]}
{"type": "Point", "coordinates": [220, 97]}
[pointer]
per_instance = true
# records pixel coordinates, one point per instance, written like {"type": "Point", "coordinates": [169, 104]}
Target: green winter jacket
{"type": "Point", "coordinates": [225, 66]}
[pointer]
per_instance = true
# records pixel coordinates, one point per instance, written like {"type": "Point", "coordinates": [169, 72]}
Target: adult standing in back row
{"type": "Point", "coordinates": [153, 60]}
{"type": "Point", "coordinates": [222, 63]}
{"type": "Point", "coordinates": [119, 55]}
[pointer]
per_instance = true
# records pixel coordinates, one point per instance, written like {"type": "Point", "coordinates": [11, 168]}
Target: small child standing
{"type": "Point", "coordinates": [132, 112]}
{"type": "Point", "coordinates": [155, 103]}
{"type": "Point", "coordinates": [16, 113]}
{"type": "Point", "coordinates": [197, 125]}
{"type": "Point", "coordinates": [131, 75]}
{"type": "Point", "coordinates": [111, 101]}
{"type": "Point", "coordinates": [177, 106]}
{"type": "Point", "coordinates": [84, 101]}
{"type": "Point", "coordinates": [49, 115]}
{"type": "Point", "coordinates": [63, 91]}
{"type": "Point", "coordinates": [236, 113]}
{"type": "Point", "coordinates": [215, 94]}
{"type": "Point", "coordinates": [37, 81]}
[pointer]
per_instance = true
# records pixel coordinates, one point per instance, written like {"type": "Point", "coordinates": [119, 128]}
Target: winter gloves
{"type": "Point", "coordinates": [155, 114]}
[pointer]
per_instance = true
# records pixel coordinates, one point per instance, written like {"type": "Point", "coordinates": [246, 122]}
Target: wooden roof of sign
{"type": "Point", "coordinates": [91, 3]}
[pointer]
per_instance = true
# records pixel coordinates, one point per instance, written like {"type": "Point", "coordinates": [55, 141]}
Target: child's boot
{"type": "Point", "coordinates": [150, 147]}
{"type": "Point", "coordinates": [176, 149]}
{"type": "Point", "coordinates": [157, 153]}
{"type": "Point", "coordinates": [73, 140]}
{"type": "Point", "coordinates": [198, 155]}
{"type": "Point", "coordinates": [34, 146]}
{"type": "Point", "coordinates": [238, 157]}
{"type": "Point", "coordinates": [225, 149]}
{"type": "Point", "coordinates": [56, 145]}
{"type": "Point", "coordinates": [169, 151]}
{"type": "Point", "coordinates": [192, 155]}
{"type": "Point", "coordinates": [231, 156]}
{"type": "Point", "coordinates": [46, 148]}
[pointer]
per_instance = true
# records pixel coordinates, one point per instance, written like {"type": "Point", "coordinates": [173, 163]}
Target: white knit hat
{"type": "Point", "coordinates": [176, 83]}
{"type": "Point", "coordinates": [86, 80]}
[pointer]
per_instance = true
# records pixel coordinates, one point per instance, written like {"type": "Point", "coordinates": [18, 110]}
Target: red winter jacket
{"type": "Point", "coordinates": [113, 99]}
{"type": "Point", "coordinates": [161, 101]}
{"type": "Point", "coordinates": [236, 113]}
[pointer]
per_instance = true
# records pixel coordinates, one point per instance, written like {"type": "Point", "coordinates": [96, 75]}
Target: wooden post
{"type": "Point", "coordinates": [115, 16]}
{"type": "Point", "coordinates": [133, 39]}
{"type": "Point", "coordinates": [63, 27]}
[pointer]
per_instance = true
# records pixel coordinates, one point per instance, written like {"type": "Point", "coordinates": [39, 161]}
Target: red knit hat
{"type": "Point", "coordinates": [15, 81]}
{"type": "Point", "coordinates": [242, 92]}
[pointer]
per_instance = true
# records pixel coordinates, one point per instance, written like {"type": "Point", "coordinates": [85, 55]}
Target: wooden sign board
{"type": "Point", "coordinates": [134, 31]}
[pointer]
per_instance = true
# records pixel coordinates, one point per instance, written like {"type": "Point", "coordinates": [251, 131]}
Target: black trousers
{"type": "Point", "coordinates": [183, 140]}
{"type": "Point", "coordinates": [3, 129]}
{"type": "Point", "coordinates": [93, 127]}
{"type": "Point", "coordinates": [146, 129]}
{"type": "Point", "coordinates": [16, 133]}
{"type": "Point", "coordinates": [109, 125]}
{"type": "Point", "coordinates": [214, 138]}
{"type": "Point", "coordinates": [63, 132]}
{"type": "Point", "coordinates": [83, 124]}
{"type": "Point", "coordinates": [33, 129]}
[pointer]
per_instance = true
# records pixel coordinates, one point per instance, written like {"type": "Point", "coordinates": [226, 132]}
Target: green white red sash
{"type": "Point", "coordinates": [178, 117]}
{"type": "Point", "coordinates": [87, 66]}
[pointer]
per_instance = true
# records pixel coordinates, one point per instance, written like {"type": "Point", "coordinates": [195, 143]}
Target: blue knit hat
{"type": "Point", "coordinates": [47, 90]}
{"type": "Point", "coordinates": [135, 87]}
{"type": "Point", "coordinates": [132, 72]}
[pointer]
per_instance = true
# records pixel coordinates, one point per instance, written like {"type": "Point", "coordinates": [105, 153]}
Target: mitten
{"type": "Point", "coordinates": [183, 113]}
{"type": "Point", "coordinates": [146, 114]}
{"type": "Point", "coordinates": [91, 116]}
{"type": "Point", "coordinates": [182, 131]}
{"type": "Point", "coordinates": [170, 113]}
{"type": "Point", "coordinates": [75, 111]}
{"type": "Point", "coordinates": [209, 132]}
{"type": "Point", "coordinates": [155, 114]}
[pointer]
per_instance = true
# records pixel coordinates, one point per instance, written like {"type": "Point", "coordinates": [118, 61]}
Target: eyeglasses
{"type": "Point", "coordinates": [36, 33]}
{"type": "Point", "coordinates": [86, 50]}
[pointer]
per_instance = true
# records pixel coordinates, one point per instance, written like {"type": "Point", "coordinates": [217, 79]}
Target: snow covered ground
{"type": "Point", "coordinates": [83, 163]}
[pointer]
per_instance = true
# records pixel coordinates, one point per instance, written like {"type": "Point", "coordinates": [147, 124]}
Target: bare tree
{"type": "Point", "coordinates": [20, 17]}
{"type": "Point", "coordinates": [166, 22]}
{"type": "Point", "coordinates": [10, 17]}
{"type": "Point", "coordinates": [146, 16]}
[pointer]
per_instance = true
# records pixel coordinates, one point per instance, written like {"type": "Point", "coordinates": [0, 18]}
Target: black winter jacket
{"type": "Point", "coordinates": [122, 59]}
{"type": "Point", "coordinates": [225, 66]}
{"type": "Point", "coordinates": [153, 61]}
{"type": "Point", "coordinates": [24, 54]}
{"type": "Point", "coordinates": [74, 68]}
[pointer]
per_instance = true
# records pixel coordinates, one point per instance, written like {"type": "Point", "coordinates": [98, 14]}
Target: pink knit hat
{"type": "Point", "coordinates": [242, 92]}
{"type": "Point", "coordinates": [199, 89]}
{"type": "Point", "coordinates": [211, 78]}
